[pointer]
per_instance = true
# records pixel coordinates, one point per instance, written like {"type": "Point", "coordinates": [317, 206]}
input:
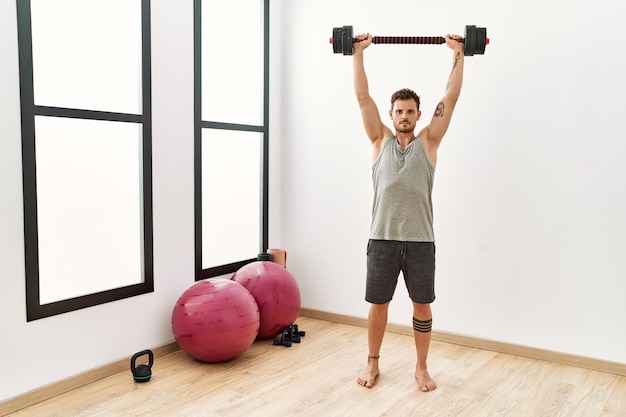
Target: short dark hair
{"type": "Point", "coordinates": [405, 94]}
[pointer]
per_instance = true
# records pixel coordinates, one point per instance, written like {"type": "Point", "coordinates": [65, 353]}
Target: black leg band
{"type": "Point", "coordinates": [422, 326]}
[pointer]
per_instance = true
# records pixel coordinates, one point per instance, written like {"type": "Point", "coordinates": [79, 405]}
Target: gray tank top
{"type": "Point", "coordinates": [403, 184]}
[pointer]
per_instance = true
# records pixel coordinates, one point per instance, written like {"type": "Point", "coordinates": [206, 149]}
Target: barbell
{"type": "Point", "coordinates": [475, 40]}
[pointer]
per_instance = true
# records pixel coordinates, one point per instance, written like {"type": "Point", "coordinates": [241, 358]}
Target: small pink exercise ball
{"type": "Point", "coordinates": [276, 293]}
{"type": "Point", "coordinates": [215, 320]}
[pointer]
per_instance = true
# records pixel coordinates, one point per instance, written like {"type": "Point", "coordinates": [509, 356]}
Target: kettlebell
{"type": "Point", "coordinates": [143, 372]}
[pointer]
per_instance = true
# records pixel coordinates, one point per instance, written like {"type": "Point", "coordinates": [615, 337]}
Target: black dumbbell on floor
{"type": "Point", "coordinates": [289, 335]}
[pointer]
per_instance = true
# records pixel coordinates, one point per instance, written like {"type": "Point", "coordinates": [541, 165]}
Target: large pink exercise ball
{"type": "Point", "coordinates": [215, 320]}
{"type": "Point", "coordinates": [276, 293]}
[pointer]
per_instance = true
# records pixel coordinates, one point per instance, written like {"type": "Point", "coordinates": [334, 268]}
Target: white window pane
{"type": "Point", "coordinates": [232, 61]}
{"type": "Point", "coordinates": [231, 182]}
{"type": "Point", "coordinates": [89, 206]}
{"type": "Point", "coordinates": [87, 54]}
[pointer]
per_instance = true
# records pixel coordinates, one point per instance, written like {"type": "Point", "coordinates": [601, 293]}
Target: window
{"type": "Point", "coordinates": [86, 151]}
{"type": "Point", "coordinates": [231, 133]}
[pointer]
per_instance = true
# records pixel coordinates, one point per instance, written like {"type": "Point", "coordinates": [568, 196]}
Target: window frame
{"type": "Point", "coordinates": [29, 110]}
{"type": "Point", "coordinates": [199, 124]}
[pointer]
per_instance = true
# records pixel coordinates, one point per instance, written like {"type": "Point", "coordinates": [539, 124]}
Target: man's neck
{"type": "Point", "coordinates": [404, 138]}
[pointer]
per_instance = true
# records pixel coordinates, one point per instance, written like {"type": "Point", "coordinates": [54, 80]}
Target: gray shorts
{"type": "Point", "coordinates": [385, 260]}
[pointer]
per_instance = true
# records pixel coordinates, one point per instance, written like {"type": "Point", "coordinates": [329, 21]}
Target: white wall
{"type": "Point", "coordinates": [529, 190]}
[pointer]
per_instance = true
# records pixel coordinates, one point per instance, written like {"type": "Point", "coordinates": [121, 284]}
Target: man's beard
{"type": "Point", "coordinates": [405, 128]}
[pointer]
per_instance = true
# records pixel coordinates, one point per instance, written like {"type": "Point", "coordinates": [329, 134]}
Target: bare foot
{"type": "Point", "coordinates": [426, 383]}
{"type": "Point", "coordinates": [369, 375]}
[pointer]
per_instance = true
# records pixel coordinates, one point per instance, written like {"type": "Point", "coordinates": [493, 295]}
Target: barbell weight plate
{"type": "Point", "coordinates": [336, 40]}
{"type": "Point", "coordinates": [470, 40]}
{"type": "Point", "coordinates": [481, 40]}
{"type": "Point", "coordinates": [348, 49]}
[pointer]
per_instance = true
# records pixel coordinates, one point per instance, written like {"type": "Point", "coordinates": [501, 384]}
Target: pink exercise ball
{"type": "Point", "coordinates": [215, 320]}
{"type": "Point", "coordinates": [276, 293]}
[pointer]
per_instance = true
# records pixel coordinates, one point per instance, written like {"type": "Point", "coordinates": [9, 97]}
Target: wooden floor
{"type": "Point", "coordinates": [318, 378]}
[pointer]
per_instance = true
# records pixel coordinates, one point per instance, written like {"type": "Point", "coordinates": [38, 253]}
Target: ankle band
{"type": "Point", "coordinates": [422, 326]}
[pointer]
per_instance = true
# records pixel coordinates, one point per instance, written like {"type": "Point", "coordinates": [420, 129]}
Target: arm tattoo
{"type": "Point", "coordinates": [439, 110]}
{"type": "Point", "coordinates": [456, 60]}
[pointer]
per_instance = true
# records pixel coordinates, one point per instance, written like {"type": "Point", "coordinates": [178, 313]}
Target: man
{"type": "Point", "coordinates": [401, 235]}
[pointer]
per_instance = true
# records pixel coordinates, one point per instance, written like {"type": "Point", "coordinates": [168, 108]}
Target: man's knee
{"type": "Point", "coordinates": [379, 308]}
{"type": "Point", "coordinates": [422, 311]}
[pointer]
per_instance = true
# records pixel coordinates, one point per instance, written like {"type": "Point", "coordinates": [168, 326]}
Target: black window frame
{"type": "Point", "coordinates": [29, 110]}
{"type": "Point", "coordinates": [199, 124]}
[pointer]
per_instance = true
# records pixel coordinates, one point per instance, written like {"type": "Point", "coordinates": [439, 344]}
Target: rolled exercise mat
{"type": "Point", "coordinates": [279, 256]}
